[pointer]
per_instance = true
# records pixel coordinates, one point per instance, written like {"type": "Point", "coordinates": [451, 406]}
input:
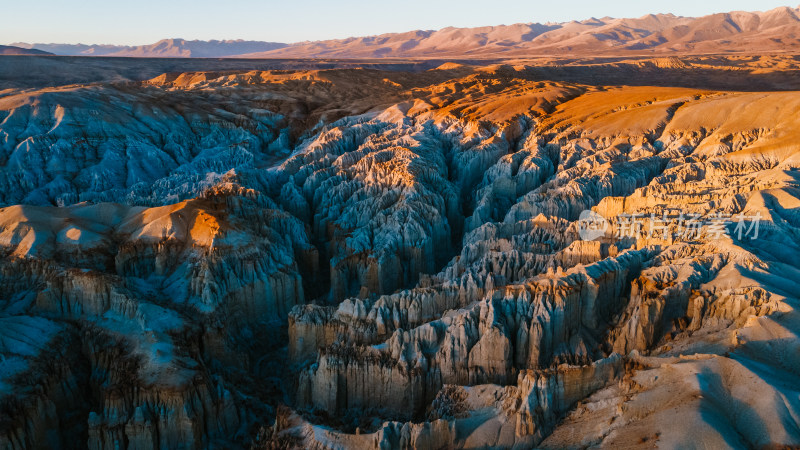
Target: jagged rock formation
{"type": "Point", "coordinates": [468, 325]}
{"type": "Point", "coordinates": [147, 293]}
{"type": "Point", "coordinates": [482, 415]}
{"type": "Point", "coordinates": [400, 258]}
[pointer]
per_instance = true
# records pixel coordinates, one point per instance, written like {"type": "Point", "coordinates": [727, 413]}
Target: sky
{"type": "Point", "coordinates": [147, 21]}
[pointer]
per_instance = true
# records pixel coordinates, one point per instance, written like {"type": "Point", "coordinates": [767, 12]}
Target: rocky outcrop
{"type": "Point", "coordinates": [518, 416]}
{"type": "Point", "coordinates": [551, 319]}
{"type": "Point", "coordinates": [141, 315]}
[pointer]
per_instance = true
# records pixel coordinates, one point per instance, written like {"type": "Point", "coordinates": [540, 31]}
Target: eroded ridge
{"type": "Point", "coordinates": [369, 259]}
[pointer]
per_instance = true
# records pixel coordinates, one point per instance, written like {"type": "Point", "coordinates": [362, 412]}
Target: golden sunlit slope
{"type": "Point", "coordinates": [36, 231]}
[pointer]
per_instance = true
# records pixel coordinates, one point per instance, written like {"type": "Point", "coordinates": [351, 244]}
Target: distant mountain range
{"type": "Point", "coordinates": [770, 31]}
{"type": "Point", "coordinates": [13, 50]}
{"type": "Point", "coordinates": [775, 30]}
{"type": "Point", "coordinates": [165, 48]}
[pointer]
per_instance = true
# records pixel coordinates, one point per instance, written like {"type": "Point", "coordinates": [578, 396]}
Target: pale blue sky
{"type": "Point", "coordinates": [146, 21]}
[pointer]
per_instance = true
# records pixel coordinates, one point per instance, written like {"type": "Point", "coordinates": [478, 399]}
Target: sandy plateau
{"type": "Point", "coordinates": [390, 256]}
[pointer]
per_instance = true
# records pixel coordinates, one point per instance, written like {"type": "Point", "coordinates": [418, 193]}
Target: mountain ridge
{"type": "Point", "coordinates": [775, 30]}
{"type": "Point", "coordinates": [738, 31]}
{"type": "Point", "coordinates": [14, 50]}
{"type": "Point", "coordinates": [165, 48]}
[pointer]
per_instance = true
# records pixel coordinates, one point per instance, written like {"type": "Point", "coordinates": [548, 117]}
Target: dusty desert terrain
{"type": "Point", "coordinates": [389, 253]}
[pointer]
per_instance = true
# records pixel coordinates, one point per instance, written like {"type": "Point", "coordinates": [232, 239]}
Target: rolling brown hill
{"type": "Point", "coordinates": [776, 30]}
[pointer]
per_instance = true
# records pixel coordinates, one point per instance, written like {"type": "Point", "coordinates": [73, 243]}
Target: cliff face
{"type": "Point", "coordinates": [401, 258]}
{"type": "Point", "coordinates": [139, 300]}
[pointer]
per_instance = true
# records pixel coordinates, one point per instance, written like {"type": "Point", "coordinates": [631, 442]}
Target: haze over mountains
{"type": "Point", "coordinates": [165, 48]}
{"type": "Point", "coordinates": [12, 50]}
{"type": "Point", "coordinates": [774, 30]}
